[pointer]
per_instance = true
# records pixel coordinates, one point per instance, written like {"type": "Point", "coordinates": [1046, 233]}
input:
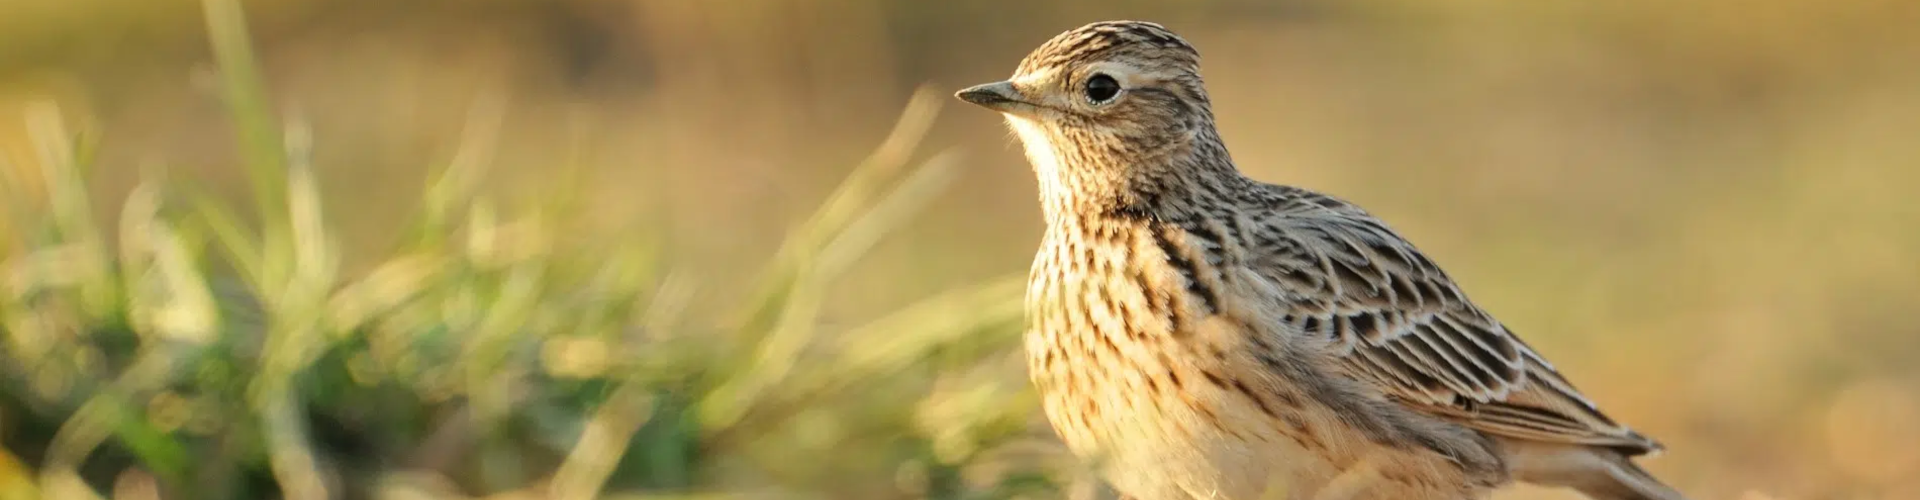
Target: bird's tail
{"type": "Point", "coordinates": [1626, 481]}
{"type": "Point", "coordinates": [1599, 473]}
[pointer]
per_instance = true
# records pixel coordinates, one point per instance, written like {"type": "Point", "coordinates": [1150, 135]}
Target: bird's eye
{"type": "Point", "coordinates": [1102, 88]}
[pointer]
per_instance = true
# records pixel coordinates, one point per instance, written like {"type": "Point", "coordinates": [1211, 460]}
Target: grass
{"type": "Point", "coordinates": [1700, 219]}
{"type": "Point", "coordinates": [200, 350]}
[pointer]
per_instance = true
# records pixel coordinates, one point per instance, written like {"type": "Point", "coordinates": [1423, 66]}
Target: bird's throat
{"type": "Point", "coordinates": [1078, 182]}
{"type": "Point", "coordinates": [1058, 186]}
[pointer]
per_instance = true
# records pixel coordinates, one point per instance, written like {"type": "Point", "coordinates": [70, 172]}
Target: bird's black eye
{"type": "Point", "coordinates": [1102, 88]}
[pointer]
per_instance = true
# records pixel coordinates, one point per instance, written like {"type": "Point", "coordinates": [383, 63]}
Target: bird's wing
{"type": "Point", "coordinates": [1403, 325]}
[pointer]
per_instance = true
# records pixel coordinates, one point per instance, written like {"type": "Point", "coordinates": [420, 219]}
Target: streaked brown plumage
{"type": "Point", "coordinates": [1206, 335]}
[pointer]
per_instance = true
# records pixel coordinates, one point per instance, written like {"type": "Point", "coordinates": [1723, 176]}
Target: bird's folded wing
{"type": "Point", "coordinates": [1402, 325]}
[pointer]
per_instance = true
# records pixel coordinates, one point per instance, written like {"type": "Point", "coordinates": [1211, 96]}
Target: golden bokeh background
{"type": "Point", "coordinates": [1701, 211]}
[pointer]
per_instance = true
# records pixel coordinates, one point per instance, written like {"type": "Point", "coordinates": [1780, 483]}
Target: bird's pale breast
{"type": "Point", "coordinates": [1174, 391]}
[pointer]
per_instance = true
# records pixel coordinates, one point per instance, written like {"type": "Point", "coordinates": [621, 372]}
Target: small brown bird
{"type": "Point", "coordinates": [1202, 335]}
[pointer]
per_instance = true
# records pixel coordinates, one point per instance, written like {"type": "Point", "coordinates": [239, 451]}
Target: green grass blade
{"type": "Point", "coordinates": [72, 215]}
{"type": "Point", "coordinates": [246, 99]}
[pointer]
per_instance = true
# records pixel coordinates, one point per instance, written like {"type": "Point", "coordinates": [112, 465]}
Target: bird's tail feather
{"type": "Point", "coordinates": [1626, 481]}
{"type": "Point", "coordinates": [1599, 473]}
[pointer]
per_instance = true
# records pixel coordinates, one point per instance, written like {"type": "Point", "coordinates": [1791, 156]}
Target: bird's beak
{"type": "Point", "coordinates": [997, 96]}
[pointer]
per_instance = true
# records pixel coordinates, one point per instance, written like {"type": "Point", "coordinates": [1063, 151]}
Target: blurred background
{"type": "Point", "coordinates": [679, 249]}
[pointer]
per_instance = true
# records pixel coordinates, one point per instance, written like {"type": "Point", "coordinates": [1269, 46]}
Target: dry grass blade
{"type": "Point", "coordinates": [18, 220]}
{"type": "Point", "coordinates": [781, 321]}
{"type": "Point", "coordinates": [246, 97]}
{"type": "Point", "coordinates": [66, 192]}
{"type": "Point", "coordinates": [454, 186]}
{"type": "Point", "coordinates": [314, 262]}
{"type": "Point", "coordinates": [295, 467]}
{"type": "Point", "coordinates": [604, 438]}
{"type": "Point", "coordinates": [797, 254]}
{"type": "Point", "coordinates": [866, 180]}
{"type": "Point", "coordinates": [167, 294]}
{"type": "Point", "coordinates": [888, 346]}
{"type": "Point", "coordinates": [386, 287]}
{"type": "Point", "coordinates": [861, 233]}
{"type": "Point", "coordinates": [778, 350]}
{"type": "Point", "coordinates": [72, 216]}
{"type": "Point", "coordinates": [45, 268]}
{"type": "Point", "coordinates": [239, 243]}
{"type": "Point", "coordinates": [110, 411]}
{"type": "Point", "coordinates": [885, 345]}
{"type": "Point", "coordinates": [67, 485]}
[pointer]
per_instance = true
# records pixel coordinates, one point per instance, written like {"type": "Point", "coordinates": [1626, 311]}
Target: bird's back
{"type": "Point", "coordinates": [1399, 321]}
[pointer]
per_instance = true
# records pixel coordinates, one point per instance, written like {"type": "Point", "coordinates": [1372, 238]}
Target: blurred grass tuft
{"type": "Point", "coordinates": [218, 353]}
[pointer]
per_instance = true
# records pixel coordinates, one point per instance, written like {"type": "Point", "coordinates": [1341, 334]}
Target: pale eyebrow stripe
{"type": "Point", "coordinates": [1034, 78]}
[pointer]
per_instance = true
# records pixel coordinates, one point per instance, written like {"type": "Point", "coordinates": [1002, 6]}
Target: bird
{"type": "Point", "coordinates": [1198, 334]}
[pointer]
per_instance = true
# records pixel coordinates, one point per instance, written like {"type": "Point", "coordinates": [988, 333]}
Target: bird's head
{"type": "Point", "coordinates": [1102, 105]}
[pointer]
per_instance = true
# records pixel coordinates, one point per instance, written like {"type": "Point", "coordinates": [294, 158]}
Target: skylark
{"type": "Point", "coordinates": [1203, 335]}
